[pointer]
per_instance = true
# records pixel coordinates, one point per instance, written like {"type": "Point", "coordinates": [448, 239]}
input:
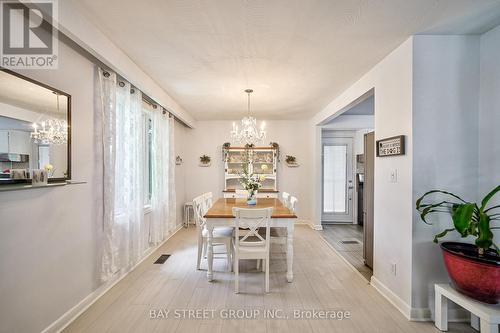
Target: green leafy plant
{"type": "Point", "coordinates": [205, 159]}
{"type": "Point", "coordinates": [469, 218]}
{"type": "Point", "coordinates": [290, 159]}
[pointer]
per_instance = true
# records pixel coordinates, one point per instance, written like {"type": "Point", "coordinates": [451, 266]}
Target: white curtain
{"type": "Point", "coordinates": [119, 117]}
{"type": "Point", "coordinates": [163, 219]}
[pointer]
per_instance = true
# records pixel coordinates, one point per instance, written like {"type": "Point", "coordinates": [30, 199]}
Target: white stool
{"type": "Point", "coordinates": [188, 207]}
{"type": "Point", "coordinates": [484, 316]}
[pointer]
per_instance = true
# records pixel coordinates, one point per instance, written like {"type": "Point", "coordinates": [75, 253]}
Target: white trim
{"type": "Point", "coordinates": [458, 315]}
{"type": "Point", "coordinates": [420, 314]}
{"type": "Point", "coordinates": [67, 318]}
{"type": "Point", "coordinates": [309, 223]}
{"type": "Point", "coordinates": [394, 299]}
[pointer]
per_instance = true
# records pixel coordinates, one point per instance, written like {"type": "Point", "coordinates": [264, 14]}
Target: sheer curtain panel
{"type": "Point", "coordinates": [163, 168]}
{"type": "Point", "coordinates": [119, 109]}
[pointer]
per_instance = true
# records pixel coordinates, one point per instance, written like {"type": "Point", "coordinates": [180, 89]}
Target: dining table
{"type": "Point", "coordinates": [220, 214]}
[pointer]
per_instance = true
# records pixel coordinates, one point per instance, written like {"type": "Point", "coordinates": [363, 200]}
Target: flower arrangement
{"type": "Point", "coordinates": [49, 168]}
{"type": "Point", "coordinates": [251, 182]}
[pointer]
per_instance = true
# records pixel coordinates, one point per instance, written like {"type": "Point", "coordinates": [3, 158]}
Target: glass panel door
{"type": "Point", "coordinates": [337, 180]}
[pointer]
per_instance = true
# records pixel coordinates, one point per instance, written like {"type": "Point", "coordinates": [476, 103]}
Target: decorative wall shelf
{"type": "Point", "coordinates": [24, 186]}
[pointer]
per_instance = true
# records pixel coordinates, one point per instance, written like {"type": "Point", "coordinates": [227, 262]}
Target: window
{"type": "Point", "coordinates": [148, 160]}
{"type": "Point", "coordinates": [43, 156]}
{"type": "Point", "coordinates": [334, 178]}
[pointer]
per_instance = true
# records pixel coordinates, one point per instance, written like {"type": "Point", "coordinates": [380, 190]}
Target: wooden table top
{"type": "Point", "coordinates": [223, 208]}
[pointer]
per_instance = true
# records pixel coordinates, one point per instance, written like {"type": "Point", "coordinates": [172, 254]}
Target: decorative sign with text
{"type": "Point", "coordinates": [391, 146]}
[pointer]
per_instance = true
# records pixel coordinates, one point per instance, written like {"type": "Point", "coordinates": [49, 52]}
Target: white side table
{"type": "Point", "coordinates": [188, 207]}
{"type": "Point", "coordinates": [484, 316]}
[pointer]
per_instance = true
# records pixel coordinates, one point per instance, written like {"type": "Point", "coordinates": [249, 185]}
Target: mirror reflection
{"type": "Point", "coordinates": [33, 131]}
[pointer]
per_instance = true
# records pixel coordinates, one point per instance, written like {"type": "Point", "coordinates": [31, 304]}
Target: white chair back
{"type": "Point", "coordinates": [293, 204]}
{"type": "Point", "coordinates": [207, 201]}
{"type": "Point", "coordinates": [248, 222]}
{"type": "Point", "coordinates": [199, 211]}
{"type": "Point", "coordinates": [285, 196]}
{"type": "Point", "coordinates": [241, 194]}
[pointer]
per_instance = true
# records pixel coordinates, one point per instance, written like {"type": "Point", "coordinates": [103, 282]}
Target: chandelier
{"type": "Point", "coordinates": [51, 131]}
{"type": "Point", "coordinates": [249, 133]}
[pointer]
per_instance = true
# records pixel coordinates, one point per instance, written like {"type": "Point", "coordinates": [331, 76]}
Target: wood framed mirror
{"type": "Point", "coordinates": [35, 130]}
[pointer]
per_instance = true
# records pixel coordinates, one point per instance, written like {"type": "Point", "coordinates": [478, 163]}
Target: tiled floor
{"type": "Point", "coordinates": [334, 234]}
{"type": "Point", "coordinates": [322, 281]}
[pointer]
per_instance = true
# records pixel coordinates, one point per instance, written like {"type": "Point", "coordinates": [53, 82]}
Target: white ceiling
{"type": "Point", "coordinates": [297, 55]}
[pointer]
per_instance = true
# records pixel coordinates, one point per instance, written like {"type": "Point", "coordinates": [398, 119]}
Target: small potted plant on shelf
{"type": "Point", "coordinates": [291, 161]}
{"type": "Point", "coordinates": [251, 182]}
{"type": "Point", "coordinates": [474, 269]}
{"type": "Point", "coordinates": [205, 160]}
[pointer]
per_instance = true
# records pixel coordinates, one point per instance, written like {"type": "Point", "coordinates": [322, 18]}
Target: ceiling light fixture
{"type": "Point", "coordinates": [52, 131]}
{"type": "Point", "coordinates": [249, 133]}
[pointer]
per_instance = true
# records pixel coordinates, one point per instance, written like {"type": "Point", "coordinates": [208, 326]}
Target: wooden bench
{"type": "Point", "coordinates": [484, 316]}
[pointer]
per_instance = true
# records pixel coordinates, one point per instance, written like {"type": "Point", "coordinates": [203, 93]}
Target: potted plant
{"type": "Point", "coordinates": [474, 269]}
{"type": "Point", "coordinates": [205, 160]}
{"type": "Point", "coordinates": [291, 161]}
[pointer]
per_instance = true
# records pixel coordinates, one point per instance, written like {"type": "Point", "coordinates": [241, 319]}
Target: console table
{"type": "Point", "coordinates": [483, 316]}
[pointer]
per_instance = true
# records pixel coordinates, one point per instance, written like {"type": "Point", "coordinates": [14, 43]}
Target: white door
{"type": "Point", "coordinates": [337, 180]}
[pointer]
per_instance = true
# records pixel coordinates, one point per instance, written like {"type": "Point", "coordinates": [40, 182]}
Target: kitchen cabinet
{"type": "Point", "coordinates": [15, 142]}
{"type": "Point", "coordinates": [19, 142]}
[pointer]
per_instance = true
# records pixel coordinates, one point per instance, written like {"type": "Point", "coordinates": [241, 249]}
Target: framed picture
{"type": "Point", "coordinates": [392, 146]}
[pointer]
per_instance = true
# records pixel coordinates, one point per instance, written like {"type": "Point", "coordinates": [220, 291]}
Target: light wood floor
{"type": "Point", "coordinates": [353, 253]}
{"type": "Point", "coordinates": [322, 281]}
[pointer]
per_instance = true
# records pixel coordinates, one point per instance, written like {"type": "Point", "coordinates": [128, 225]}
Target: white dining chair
{"type": "Point", "coordinates": [292, 204]}
{"type": "Point", "coordinates": [249, 244]}
{"type": "Point", "coordinates": [278, 235]}
{"type": "Point", "coordinates": [221, 235]}
{"type": "Point", "coordinates": [285, 196]}
{"type": "Point", "coordinates": [241, 194]}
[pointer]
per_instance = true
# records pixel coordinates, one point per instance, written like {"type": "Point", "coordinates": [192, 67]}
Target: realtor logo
{"type": "Point", "coordinates": [29, 34]}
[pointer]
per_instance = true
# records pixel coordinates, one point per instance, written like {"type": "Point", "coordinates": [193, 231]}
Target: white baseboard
{"type": "Point", "coordinates": [310, 224]}
{"type": "Point", "coordinates": [420, 314]}
{"type": "Point", "coordinates": [394, 299]}
{"type": "Point", "coordinates": [62, 322]}
{"type": "Point", "coordinates": [317, 227]}
{"type": "Point", "coordinates": [454, 315]}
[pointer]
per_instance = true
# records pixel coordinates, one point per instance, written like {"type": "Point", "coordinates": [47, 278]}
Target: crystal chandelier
{"type": "Point", "coordinates": [249, 133]}
{"type": "Point", "coordinates": [51, 131]}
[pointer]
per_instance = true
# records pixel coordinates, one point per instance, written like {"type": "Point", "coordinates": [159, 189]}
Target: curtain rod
{"type": "Point", "coordinates": [145, 98]}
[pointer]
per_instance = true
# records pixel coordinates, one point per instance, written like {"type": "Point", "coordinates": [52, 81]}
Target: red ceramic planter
{"type": "Point", "coordinates": [474, 276]}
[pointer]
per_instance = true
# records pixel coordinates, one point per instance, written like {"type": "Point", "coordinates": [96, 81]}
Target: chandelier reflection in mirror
{"type": "Point", "coordinates": [249, 132]}
{"type": "Point", "coordinates": [51, 131]}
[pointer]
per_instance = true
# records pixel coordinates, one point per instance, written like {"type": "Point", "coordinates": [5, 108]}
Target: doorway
{"type": "Point", "coordinates": [337, 180]}
{"type": "Point", "coordinates": [347, 184]}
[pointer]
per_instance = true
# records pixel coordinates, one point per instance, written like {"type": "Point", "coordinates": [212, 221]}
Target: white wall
{"type": "Point", "coordinates": [489, 113]}
{"type": "Point", "coordinates": [49, 238]}
{"type": "Point", "coordinates": [48, 241]}
{"type": "Point", "coordinates": [208, 137]}
{"type": "Point", "coordinates": [445, 141]}
{"type": "Point", "coordinates": [391, 80]}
